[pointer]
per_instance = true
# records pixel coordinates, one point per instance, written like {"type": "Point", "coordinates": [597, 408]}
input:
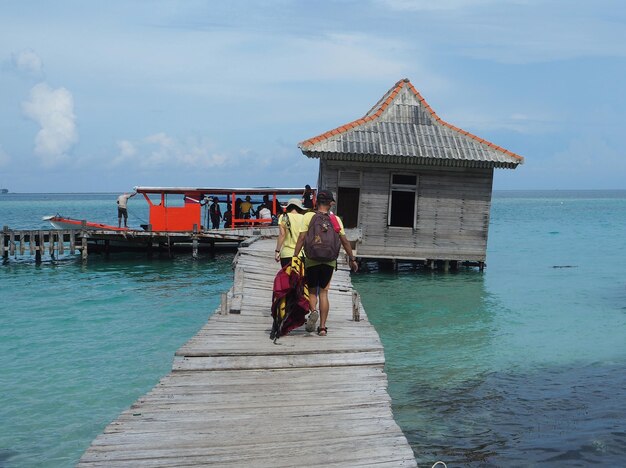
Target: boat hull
{"type": "Point", "coordinates": [59, 222]}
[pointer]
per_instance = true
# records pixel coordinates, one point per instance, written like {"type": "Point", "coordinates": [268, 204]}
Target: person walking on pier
{"type": "Point", "coordinates": [122, 207]}
{"type": "Point", "coordinates": [321, 235]}
{"type": "Point", "coordinates": [288, 231]}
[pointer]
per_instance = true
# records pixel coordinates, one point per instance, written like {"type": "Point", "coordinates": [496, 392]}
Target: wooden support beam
{"type": "Point", "coordinates": [11, 243]}
{"type": "Point", "coordinates": [72, 242]}
{"type": "Point", "coordinates": [83, 249]}
{"type": "Point", "coordinates": [38, 246]}
{"type": "Point", "coordinates": [61, 242]}
{"type": "Point", "coordinates": [31, 242]}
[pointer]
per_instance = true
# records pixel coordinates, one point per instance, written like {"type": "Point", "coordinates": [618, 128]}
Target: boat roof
{"type": "Point", "coordinates": [221, 191]}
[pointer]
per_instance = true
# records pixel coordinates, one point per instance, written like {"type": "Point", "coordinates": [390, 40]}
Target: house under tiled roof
{"type": "Point", "coordinates": [403, 128]}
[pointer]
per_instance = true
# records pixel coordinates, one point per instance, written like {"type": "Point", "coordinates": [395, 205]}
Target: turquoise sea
{"type": "Point", "coordinates": [522, 365]}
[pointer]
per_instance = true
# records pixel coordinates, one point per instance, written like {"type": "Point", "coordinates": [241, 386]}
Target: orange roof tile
{"type": "Point", "coordinates": [397, 88]}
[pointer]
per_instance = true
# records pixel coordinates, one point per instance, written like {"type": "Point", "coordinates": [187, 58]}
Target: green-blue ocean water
{"type": "Point", "coordinates": [525, 364]}
{"type": "Point", "coordinates": [522, 365]}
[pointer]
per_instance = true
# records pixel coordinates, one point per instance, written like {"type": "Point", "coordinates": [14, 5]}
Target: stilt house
{"type": "Point", "coordinates": [412, 186]}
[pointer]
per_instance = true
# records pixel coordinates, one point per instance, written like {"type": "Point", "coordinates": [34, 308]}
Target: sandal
{"type": "Point", "coordinates": [322, 331]}
{"type": "Point", "coordinates": [311, 321]}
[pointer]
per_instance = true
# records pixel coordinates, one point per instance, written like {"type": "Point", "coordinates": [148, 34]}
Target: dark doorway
{"type": "Point", "coordinates": [348, 206]}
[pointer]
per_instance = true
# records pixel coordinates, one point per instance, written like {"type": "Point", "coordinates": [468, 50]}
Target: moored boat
{"type": "Point", "coordinates": [60, 222]}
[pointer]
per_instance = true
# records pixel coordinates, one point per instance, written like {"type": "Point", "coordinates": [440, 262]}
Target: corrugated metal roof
{"type": "Point", "coordinates": [402, 125]}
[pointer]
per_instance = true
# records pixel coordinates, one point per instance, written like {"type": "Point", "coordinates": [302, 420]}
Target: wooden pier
{"type": "Point", "coordinates": [234, 398]}
{"type": "Point", "coordinates": [54, 243]}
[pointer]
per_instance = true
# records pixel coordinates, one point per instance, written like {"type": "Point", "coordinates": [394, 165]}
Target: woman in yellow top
{"type": "Point", "coordinates": [289, 229]}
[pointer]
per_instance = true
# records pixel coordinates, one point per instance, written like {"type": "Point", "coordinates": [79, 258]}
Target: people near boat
{"type": "Point", "coordinates": [265, 214]}
{"type": "Point", "coordinates": [246, 207]}
{"type": "Point", "coordinates": [321, 235]}
{"type": "Point", "coordinates": [228, 216]}
{"type": "Point", "coordinates": [215, 213]}
{"type": "Point", "coordinates": [307, 197]}
{"type": "Point", "coordinates": [288, 231]}
{"type": "Point", "coordinates": [266, 203]}
{"type": "Point", "coordinates": [122, 207]}
{"type": "Point", "coordinates": [238, 203]}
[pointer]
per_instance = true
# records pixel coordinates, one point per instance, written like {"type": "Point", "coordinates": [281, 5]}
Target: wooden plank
{"type": "Point", "coordinates": [234, 398]}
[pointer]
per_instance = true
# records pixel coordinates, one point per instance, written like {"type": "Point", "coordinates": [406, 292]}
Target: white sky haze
{"type": "Point", "coordinates": [103, 96]}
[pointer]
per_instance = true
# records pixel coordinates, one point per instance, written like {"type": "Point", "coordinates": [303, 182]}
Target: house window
{"type": "Point", "coordinates": [402, 200]}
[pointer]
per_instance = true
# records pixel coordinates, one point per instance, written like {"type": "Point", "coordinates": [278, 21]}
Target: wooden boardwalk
{"type": "Point", "coordinates": [234, 398]}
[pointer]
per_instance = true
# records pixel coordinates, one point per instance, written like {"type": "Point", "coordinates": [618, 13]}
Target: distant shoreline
{"type": "Point", "coordinates": [495, 192]}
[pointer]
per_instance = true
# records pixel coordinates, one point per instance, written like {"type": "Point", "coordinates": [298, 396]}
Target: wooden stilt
{"type": "Point", "coordinates": [72, 242]}
{"type": "Point", "coordinates": [83, 246]}
{"type": "Point", "coordinates": [38, 246]}
{"type": "Point", "coordinates": [194, 242]}
{"type": "Point", "coordinates": [31, 242]}
{"type": "Point", "coordinates": [11, 244]}
{"type": "Point", "coordinates": [446, 266]}
{"type": "Point", "coordinates": [5, 243]}
{"type": "Point", "coordinates": [51, 243]}
{"type": "Point", "coordinates": [61, 242]}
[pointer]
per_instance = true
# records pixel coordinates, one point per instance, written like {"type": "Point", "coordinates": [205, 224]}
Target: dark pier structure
{"type": "Point", "coordinates": [58, 242]}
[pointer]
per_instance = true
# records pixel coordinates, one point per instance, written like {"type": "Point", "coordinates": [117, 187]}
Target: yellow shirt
{"type": "Point", "coordinates": [306, 220]}
{"type": "Point", "coordinates": [291, 234]}
{"type": "Point", "coordinates": [245, 207]}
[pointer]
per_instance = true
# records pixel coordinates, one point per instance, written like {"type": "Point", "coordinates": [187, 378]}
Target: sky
{"type": "Point", "coordinates": [104, 96]}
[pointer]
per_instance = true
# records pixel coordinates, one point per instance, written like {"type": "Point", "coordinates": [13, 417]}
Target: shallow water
{"type": "Point", "coordinates": [525, 364]}
{"type": "Point", "coordinates": [522, 365]}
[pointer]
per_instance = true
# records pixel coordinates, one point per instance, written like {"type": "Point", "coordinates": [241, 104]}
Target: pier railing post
{"type": "Point", "coordinates": [224, 304]}
{"type": "Point", "coordinates": [356, 306]}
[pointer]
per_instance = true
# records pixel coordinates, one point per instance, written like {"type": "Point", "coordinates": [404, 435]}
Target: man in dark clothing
{"type": "Point", "coordinates": [307, 197]}
{"type": "Point", "coordinates": [215, 213]}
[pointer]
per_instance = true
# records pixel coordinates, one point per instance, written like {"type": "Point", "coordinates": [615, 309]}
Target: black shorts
{"type": "Point", "coordinates": [285, 261]}
{"type": "Point", "coordinates": [122, 212]}
{"type": "Point", "coordinates": [319, 276]}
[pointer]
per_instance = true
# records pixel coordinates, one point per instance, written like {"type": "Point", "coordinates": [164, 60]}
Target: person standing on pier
{"type": "Point", "coordinates": [288, 231]}
{"type": "Point", "coordinates": [122, 207]}
{"type": "Point", "coordinates": [326, 231]}
{"type": "Point", "coordinates": [307, 197]}
{"type": "Point", "coordinates": [215, 213]}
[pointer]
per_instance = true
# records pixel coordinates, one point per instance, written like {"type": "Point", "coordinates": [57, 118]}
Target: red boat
{"type": "Point", "coordinates": [59, 222]}
{"type": "Point", "coordinates": [179, 209]}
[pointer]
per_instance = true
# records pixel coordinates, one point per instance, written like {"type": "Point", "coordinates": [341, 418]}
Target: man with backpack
{"type": "Point", "coordinates": [321, 235]}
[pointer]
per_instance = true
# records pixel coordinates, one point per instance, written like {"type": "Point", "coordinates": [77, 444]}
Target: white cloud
{"type": "Point", "coordinates": [160, 151]}
{"type": "Point", "coordinates": [5, 159]}
{"type": "Point", "coordinates": [53, 110]}
{"type": "Point", "coordinates": [27, 61]}
{"type": "Point", "coordinates": [472, 120]}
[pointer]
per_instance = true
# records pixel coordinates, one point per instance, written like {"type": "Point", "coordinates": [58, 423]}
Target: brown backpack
{"type": "Point", "coordinates": [322, 242]}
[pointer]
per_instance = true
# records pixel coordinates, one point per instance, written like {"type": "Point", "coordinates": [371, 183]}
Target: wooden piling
{"type": "Point", "coordinates": [194, 243]}
{"type": "Point", "coordinates": [5, 243]}
{"type": "Point", "coordinates": [38, 246]}
{"type": "Point", "coordinates": [31, 242]}
{"type": "Point", "coordinates": [83, 246]}
{"type": "Point", "coordinates": [11, 244]}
